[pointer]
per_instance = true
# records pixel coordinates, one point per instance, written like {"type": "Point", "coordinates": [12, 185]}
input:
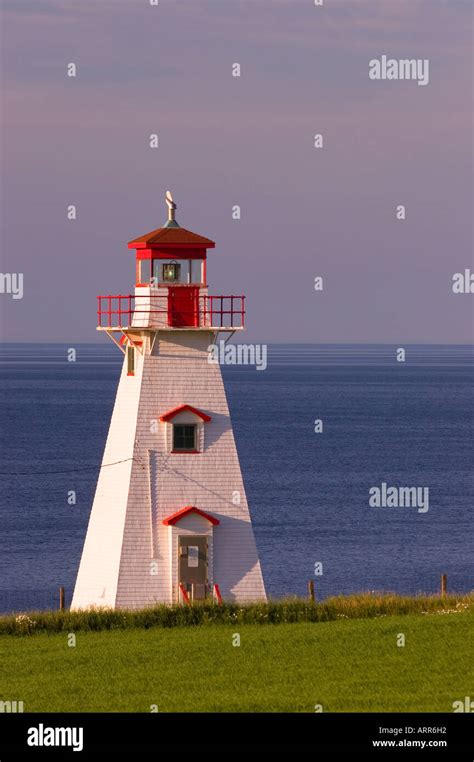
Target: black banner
{"type": "Point", "coordinates": [84, 736]}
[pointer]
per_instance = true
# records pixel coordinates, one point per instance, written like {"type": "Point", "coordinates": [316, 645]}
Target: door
{"type": "Point", "coordinates": [183, 306]}
{"type": "Point", "coordinates": [192, 563]}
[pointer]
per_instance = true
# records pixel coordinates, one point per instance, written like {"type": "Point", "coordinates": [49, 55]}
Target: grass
{"type": "Point", "coordinates": [292, 610]}
{"type": "Point", "coordinates": [344, 665]}
{"type": "Point", "coordinates": [341, 653]}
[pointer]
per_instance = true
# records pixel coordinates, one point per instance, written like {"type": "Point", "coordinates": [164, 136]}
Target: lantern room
{"type": "Point", "coordinates": [171, 255]}
{"type": "Point", "coordinates": [171, 289]}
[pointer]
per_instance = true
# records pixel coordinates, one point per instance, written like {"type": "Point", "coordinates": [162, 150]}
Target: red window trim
{"type": "Point", "coordinates": [185, 452]}
{"type": "Point", "coordinates": [180, 409]}
{"type": "Point", "coordinates": [176, 517]}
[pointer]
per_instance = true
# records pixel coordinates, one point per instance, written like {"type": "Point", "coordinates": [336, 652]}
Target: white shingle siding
{"type": "Point", "coordinates": [97, 578]}
{"type": "Point", "coordinates": [126, 532]}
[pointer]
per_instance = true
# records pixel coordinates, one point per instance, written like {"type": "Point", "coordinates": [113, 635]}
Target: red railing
{"type": "Point", "coordinates": [172, 311]}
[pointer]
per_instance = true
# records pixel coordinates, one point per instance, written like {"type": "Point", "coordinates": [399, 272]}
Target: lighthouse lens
{"type": "Point", "coordinates": [170, 273]}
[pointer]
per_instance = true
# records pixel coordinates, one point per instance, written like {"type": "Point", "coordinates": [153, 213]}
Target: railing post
{"type": "Point", "coordinates": [61, 598]}
{"type": "Point", "coordinates": [99, 313]}
{"type": "Point", "coordinates": [243, 310]}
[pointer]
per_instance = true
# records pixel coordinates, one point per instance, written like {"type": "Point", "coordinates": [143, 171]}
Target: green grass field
{"type": "Point", "coordinates": [343, 665]}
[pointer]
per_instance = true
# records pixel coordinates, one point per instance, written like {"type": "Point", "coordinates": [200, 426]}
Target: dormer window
{"type": "Point", "coordinates": [184, 429]}
{"type": "Point", "coordinates": [170, 272]}
{"type": "Point", "coordinates": [184, 437]}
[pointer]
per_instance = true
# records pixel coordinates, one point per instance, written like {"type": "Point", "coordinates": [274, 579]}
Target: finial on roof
{"type": "Point", "coordinates": [171, 210]}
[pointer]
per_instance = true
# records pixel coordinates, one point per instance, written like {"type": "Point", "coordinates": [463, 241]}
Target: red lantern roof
{"type": "Point", "coordinates": [171, 236]}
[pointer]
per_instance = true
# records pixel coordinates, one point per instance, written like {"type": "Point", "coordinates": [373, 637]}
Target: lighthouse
{"type": "Point", "coordinates": [170, 521]}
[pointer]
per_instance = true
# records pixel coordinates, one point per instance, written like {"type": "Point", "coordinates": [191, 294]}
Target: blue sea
{"type": "Point", "coordinates": [405, 424]}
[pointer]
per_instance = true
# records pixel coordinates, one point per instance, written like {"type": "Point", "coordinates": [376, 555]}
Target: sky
{"type": "Point", "coordinates": [247, 141]}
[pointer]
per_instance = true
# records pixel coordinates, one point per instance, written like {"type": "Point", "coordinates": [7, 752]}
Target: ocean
{"type": "Point", "coordinates": [404, 424]}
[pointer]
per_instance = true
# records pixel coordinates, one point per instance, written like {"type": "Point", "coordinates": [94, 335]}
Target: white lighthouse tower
{"type": "Point", "coordinates": [170, 521]}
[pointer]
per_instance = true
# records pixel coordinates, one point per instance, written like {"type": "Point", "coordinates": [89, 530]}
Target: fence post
{"type": "Point", "coordinates": [61, 598]}
{"type": "Point", "coordinates": [311, 590]}
{"type": "Point", "coordinates": [444, 584]}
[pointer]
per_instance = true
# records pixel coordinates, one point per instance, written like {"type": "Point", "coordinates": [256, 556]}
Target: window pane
{"type": "Point", "coordinates": [157, 270]}
{"type": "Point", "coordinates": [144, 271]}
{"type": "Point", "coordinates": [184, 437]}
{"type": "Point", "coordinates": [196, 271]}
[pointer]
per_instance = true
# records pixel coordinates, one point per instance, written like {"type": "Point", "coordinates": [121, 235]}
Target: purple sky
{"type": "Point", "coordinates": [247, 141]}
